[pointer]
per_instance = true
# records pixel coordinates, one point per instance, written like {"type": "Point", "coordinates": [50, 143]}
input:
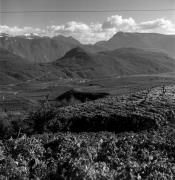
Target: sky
{"type": "Point", "coordinates": [87, 27]}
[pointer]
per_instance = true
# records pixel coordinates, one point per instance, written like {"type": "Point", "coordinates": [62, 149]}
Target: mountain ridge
{"type": "Point", "coordinates": [123, 61]}
{"type": "Point", "coordinates": [149, 41]}
{"type": "Point", "coordinates": [47, 49]}
{"type": "Point", "coordinates": [80, 63]}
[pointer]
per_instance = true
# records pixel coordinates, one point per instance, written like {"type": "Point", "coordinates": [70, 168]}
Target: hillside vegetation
{"type": "Point", "coordinates": [126, 137]}
{"type": "Point", "coordinates": [145, 110]}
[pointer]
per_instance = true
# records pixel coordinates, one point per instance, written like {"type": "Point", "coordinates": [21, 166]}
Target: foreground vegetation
{"type": "Point", "coordinates": [127, 137]}
{"type": "Point", "coordinates": [104, 155]}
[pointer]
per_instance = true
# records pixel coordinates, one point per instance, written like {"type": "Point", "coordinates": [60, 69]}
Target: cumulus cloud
{"type": "Point", "coordinates": [158, 26]}
{"type": "Point", "coordinates": [91, 33]}
{"type": "Point", "coordinates": [120, 23]}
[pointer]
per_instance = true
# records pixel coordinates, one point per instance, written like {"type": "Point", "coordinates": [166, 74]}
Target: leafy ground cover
{"type": "Point", "coordinates": [104, 155]}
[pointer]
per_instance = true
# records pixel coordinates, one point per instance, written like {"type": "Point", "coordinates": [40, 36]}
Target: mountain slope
{"type": "Point", "coordinates": [38, 49]}
{"type": "Point", "coordinates": [149, 41]}
{"type": "Point", "coordinates": [13, 68]}
{"type": "Point", "coordinates": [125, 61]}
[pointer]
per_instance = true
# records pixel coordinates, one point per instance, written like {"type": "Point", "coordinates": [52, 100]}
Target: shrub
{"type": "Point", "coordinates": [37, 120]}
{"type": "Point", "coordinates": [11, 126]}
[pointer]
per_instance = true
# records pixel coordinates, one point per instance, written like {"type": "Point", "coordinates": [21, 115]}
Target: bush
{"type": "Point", "coordinates": [37, 120]}
{"type": "Point", "coordinates": [5, 128]}
{"type": "Point", "coordinates": [11, 126]}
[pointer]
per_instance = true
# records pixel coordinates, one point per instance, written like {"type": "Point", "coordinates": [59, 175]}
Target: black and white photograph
{"type": "Point", "coordinates": [87, 90]}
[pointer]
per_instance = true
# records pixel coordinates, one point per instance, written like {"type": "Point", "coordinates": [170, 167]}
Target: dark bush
{"type": "Point", "coordinates": [5, 128]}
{"type": "Point", "coordinates": [11, 126]}
{"type": "Point", "coordinates": [37, 120]}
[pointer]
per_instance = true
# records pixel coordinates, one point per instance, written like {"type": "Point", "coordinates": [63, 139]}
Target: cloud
{"type": "Point", "coordinates": [119, 23]}
{"type": "Point", "coordinates": [16, 31]}
{"type": "Point", "coordinates": [158, 26]}
{"type": "Point", "coordinates": [91, 33]}
{"type": "Point", "coordinates": [81, 31]}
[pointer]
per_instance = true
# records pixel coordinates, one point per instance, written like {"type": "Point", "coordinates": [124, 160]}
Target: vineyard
{"type": "Point", "coordinates": [125, 137]}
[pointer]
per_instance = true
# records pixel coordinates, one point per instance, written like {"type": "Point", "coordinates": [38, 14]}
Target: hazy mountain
{"type": "Point", "coordinates": [38, 49]}
{"type": "Point", "coordinates": [124, 61]}
{"type": "Point", "coordinates": [149, 41]}
{"type": "Point", "coordinates": [44, 49]}
{"type": "Point", "coordinates": [14, 69]}
{"type": "Point", "coordinates": [79, 63]}
{"type": "Point", "coordinates": [17, 55]}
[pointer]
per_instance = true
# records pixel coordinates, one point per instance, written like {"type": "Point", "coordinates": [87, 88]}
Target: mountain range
{"type": "Point", "coordinates": [45, 49]}
{"type": "Point", "coordinates": [23, 58]}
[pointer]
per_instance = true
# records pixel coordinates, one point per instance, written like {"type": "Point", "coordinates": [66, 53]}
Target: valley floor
{"type": "Point", "coordinates": [26, 95]}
